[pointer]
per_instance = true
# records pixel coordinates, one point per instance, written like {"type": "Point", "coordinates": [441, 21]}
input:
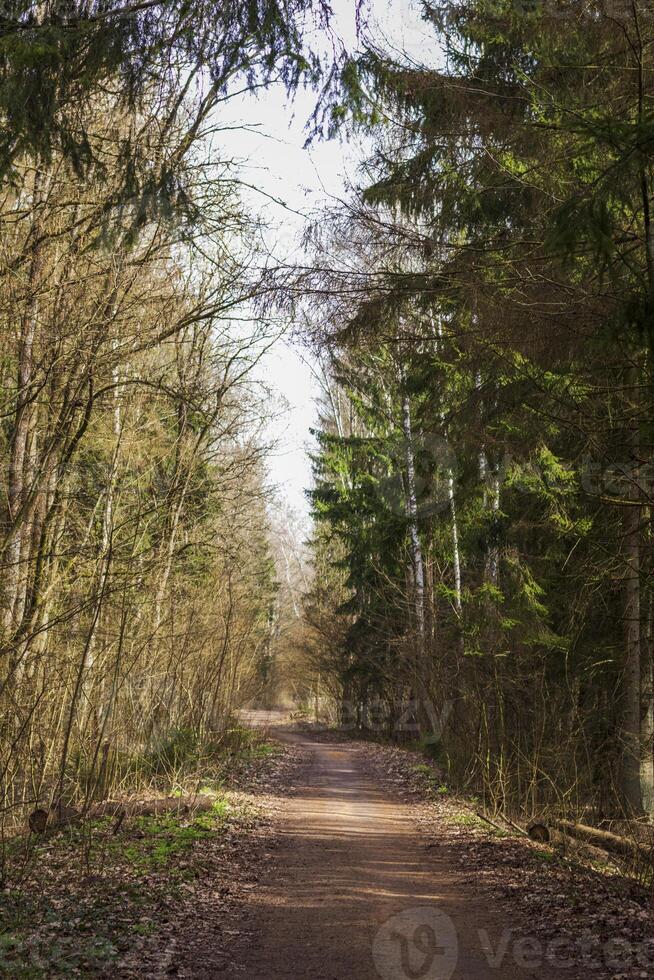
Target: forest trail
{"type": "Point", "coordinates": [354, 893]}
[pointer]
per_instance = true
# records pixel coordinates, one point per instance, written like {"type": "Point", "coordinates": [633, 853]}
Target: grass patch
{"type": "Point", "coordinates": [467, 819]}
{"type": "Point", "coordinates": [162, 840]}
{"type": "Point", "coordinates": [79, 896]}
{"type": "Point", "coordinates": [87, 894]}
{"type": "Point", "coordinates": [431, 779]}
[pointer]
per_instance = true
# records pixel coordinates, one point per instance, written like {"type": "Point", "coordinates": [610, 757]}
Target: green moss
{"type": "Point", "coordinates": [466, 820]}
{"type": "Point", "coordinates": [423, 769]}
{"type": "Point", "coordinates": [163, 839]}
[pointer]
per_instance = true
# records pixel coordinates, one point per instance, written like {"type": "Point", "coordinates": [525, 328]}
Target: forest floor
{"type": "Point", "coordinates": [326, 859]}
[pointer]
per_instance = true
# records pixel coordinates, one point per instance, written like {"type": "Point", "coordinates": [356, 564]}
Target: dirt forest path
{"type": "Point", "coordinates": [353, 893]}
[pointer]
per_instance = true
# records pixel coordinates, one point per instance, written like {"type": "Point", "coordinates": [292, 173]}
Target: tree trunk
{"type": "Point", "coordinates": [19, 455]}
{"type": "Point", "coordinates": [412, 506]}
{"type": "Point", "coordinates": [456, 556]}
{"type": "Point", "coordinates": [631, 677]}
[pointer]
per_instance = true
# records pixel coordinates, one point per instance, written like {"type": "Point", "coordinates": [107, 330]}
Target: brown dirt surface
{"type": "Point", "coordinates": [347, 860]}
{"type": "Point", "coordinates": [196, 927]}
{"type": "Point", "coordinates": [355, 892]}
{"type": "Point", "coordinates": [361, 869]}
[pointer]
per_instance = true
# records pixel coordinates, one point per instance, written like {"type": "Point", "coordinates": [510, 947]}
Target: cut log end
{"type": "Point", "coordinates": [41, 820]}
{"type": "Point", "coordinates": [38, 821]}
{"type": "Point", "coordinates": [538, 832]}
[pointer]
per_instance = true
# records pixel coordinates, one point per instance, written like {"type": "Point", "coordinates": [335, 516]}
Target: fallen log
{"type": "Point", "coordinates": [41, 820]}
{"type": "Point", "coordinates": [514, 826]}
{"type": "Point", "coordinates": [605, 839]}
{"type": "Point", "coordinates": [491, 823]}
{"type": "Point", "coordinates": [57, 816]}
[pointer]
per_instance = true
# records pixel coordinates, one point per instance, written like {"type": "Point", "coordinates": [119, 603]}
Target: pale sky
{"type": "Point", "coordinates": [272, 157]}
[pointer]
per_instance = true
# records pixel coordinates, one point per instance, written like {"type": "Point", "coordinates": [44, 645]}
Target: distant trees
{"type": "Point", "coordinates": [490, 329]}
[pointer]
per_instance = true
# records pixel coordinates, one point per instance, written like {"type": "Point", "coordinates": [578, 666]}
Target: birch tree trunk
{"type": "Point", "coordinates": [412, 506]}
{"type": "Point", "coordinates": [456, 555]}
{"type": "Point", "coordinates": [19, 455]}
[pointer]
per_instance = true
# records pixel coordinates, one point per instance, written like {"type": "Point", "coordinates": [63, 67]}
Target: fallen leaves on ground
{"type": "Point", "coordinates": [166, 896]}
{"type": "Point", "coordinates": [601, 920]}
{"type": "Point", "coordinates": [150, 902]}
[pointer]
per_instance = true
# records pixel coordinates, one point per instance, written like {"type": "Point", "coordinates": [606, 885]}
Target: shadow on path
{"type": "Point", "coordinates": [350, 860]}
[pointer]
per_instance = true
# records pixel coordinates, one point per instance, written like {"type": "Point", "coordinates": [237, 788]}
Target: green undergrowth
{"type": "Point", "coordinates": [465, 818]}
{"type": "Point", "coordinates": [77, 897]}
{"type": "Point", "coordinates": [86, 892]}
{"type": "Point", "coordinates": [431, 779]}
{"type": "Point", "coordinates": [159, 841]}
{"type": "Point", "coordinates": [178, 760]}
